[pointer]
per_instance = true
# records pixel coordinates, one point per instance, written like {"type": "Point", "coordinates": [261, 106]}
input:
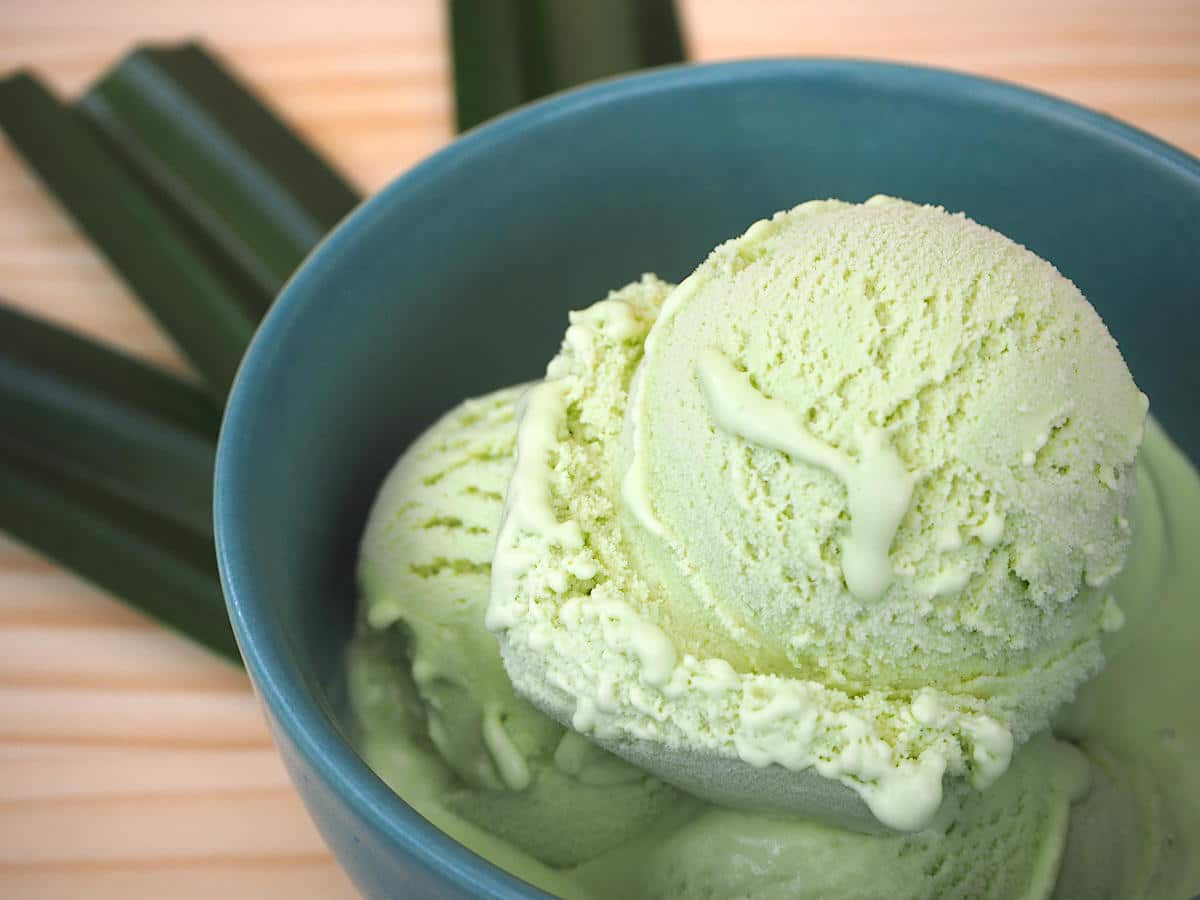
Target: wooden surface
{"type": "Point", "coordinates": [132, 765]}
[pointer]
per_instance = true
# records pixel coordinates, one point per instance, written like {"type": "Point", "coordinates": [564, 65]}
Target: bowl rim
{"type": "Point", "coordinates": [295, 710]}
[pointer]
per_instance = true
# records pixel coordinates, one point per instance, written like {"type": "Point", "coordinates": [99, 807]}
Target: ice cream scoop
{"type": "Point", "coordinates": [829, 524]}
{"type": "Point", "coordinates": [1030, 833]}
{"type": "Point", "coordinates": [426, 555]}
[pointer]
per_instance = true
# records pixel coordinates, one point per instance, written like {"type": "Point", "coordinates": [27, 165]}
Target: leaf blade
{"type": "Point", "coordinates": [227, 163]}
{"type": "Point", "coordinates": [164, 571]}
{"type": "Point", "coordinates": [106, 419]}
{"type": "Point", "coordinates": [509, 52]}
{"type": "Point", "coordinates": [188, 290]}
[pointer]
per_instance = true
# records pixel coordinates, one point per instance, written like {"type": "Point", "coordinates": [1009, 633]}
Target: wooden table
{"type": "Point", "coordinates": [134, 765]}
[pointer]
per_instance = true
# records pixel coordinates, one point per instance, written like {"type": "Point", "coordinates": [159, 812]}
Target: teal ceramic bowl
{"type": "Point", "coordinates": [457, 277]}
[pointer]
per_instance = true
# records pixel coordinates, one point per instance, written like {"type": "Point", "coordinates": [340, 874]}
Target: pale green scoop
{"type": "Point", "coordinates": [828, 527]}
{"type": "Point", "coordinates": [1118, 817]}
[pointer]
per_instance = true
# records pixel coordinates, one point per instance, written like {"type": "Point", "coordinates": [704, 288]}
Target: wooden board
{"type": "Point", "coordinates": [133, 765]}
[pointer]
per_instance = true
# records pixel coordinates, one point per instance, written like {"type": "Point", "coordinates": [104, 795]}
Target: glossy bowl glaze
{"type": "Point", "coordinates": [456, 279]}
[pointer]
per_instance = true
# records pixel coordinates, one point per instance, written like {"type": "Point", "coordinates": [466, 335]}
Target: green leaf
{"type": "Point", "coordinates": [203, 304]}
{"type": "Point", "coordinates": [509, 52]}
{"type": "Point", "coordinates": [106, 419]}
{"type": "Point", "coordinates": [166, 571]}
{"type": "Point", "coordinates": [205, 202]}
{"type": "Point", "coordinates": [225, 162]}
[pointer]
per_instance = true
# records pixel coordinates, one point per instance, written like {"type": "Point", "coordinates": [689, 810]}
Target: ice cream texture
{"type": "Point", "coordinates": [425, 562]}
{"type": "Point", "coordinates": [846, 502]}
{"type": "Point", "coordinates": [1110, 814]}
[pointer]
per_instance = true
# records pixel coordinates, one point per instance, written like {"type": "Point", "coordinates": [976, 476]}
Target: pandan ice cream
{"type": "Point", "coordinates": [783, 580]}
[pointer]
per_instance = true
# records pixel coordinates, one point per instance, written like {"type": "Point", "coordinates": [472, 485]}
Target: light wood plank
{"type": "Point", "coordinates": [157, 828]}
{"type": "Point", "coordinates": [34, 772]}
{"type": "Point", "coordinates": [295, 878]}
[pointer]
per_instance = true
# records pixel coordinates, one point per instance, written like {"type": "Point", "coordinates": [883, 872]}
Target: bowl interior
{"type": "Point", "coordinates": [456, 279]}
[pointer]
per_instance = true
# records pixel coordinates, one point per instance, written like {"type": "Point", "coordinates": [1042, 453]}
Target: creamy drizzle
{"type": "Point", "coordinates": [878, 486]}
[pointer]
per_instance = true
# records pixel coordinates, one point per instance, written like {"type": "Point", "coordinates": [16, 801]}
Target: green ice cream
{"type": "Point", "coordinates": [1112, 813]}
{"type": "Point", "coordinates": [844, 504]}
{"type": "Point", "coordinates": [425, 561]}
{"type": "Point", "coordinates": [1115, 820]}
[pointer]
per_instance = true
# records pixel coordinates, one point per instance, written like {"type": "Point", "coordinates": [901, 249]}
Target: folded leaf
{"type": "Point", "coordinates": [104, 418]}
{"type": "Point", "coordinates": [509, 52]}
{"type": "Point", "coordinates": [226, 162]}
{"type": "Point", "coordinates": [204, 202]}
{"type": "Point", "coordinates": [202, 302]}
{"type": "Point", "coordinates": [165, 571]}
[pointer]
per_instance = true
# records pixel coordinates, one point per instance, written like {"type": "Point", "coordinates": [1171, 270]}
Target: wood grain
{"type": "Point", "coordinates": [134, 765]}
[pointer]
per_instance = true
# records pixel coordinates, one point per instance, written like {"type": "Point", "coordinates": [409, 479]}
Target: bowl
{"type": "Point", "coordinates": [457, 277]}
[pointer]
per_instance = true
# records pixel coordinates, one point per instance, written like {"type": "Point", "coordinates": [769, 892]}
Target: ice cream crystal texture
{"type": "Point", "coordinates": [846, 501]}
